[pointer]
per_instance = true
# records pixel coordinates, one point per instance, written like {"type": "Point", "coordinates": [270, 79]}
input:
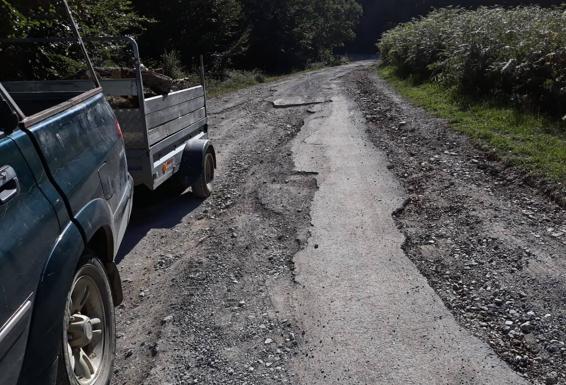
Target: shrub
{"type": "Point", "coordinates": [172, 65]}
{"type": "Point", "coordinates": [516, 54]}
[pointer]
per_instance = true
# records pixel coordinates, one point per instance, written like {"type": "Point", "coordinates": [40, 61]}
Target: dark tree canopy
{"type": "Point", "coordinates": [273, 35]}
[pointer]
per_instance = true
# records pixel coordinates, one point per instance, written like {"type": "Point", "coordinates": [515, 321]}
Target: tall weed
{"type": "Point", "coordinates": [516, 54]}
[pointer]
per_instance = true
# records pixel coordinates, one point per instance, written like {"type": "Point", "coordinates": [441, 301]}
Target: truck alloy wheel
{"type": "Point", "coordinates": [89, 330]}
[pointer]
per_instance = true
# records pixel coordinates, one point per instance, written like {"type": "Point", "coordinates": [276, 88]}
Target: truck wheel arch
{"type": "Point", "coordinates": [102, 246]}
{"type": "Point", "coordinates": [49, 303]}
{"type": "Point", "coordinates": [50, 295]}
{"type": "Point", "coordinates": [95, 220]}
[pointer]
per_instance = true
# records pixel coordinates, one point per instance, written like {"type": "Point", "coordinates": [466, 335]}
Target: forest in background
{"type": "Point", "coordinates": [272, 36]}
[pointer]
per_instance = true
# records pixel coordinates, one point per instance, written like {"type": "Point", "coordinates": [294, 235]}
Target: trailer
{"type": "Point", "coordinates": [166, 136]}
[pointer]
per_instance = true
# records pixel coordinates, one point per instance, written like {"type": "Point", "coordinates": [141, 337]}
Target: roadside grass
{"type": "Point", "coordinates": [533, 142]}
{"type": "Point", "coordinates": [234, 81]}
{"type": "Point", "coordinates": [238, 79]}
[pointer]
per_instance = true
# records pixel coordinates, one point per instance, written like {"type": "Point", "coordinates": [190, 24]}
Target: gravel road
{"type": "Point", "coordinates": [352, 239]}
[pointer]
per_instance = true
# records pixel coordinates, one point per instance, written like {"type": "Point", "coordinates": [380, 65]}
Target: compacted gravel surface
{"type": "Point", "coordinates": [255, 284]}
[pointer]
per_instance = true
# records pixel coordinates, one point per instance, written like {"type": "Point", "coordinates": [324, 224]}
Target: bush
{"type": "Point", "coordinates": [172, 65]}
{"type": "Point", "coordinates": [516, 55]}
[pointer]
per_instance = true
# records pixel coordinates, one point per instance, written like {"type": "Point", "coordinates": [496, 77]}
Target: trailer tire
{"type": "Point", "coordinates": [204, 185]}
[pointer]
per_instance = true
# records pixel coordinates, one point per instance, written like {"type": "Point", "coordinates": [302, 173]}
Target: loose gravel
{"type": "Point", "coordinates": [492, 246]}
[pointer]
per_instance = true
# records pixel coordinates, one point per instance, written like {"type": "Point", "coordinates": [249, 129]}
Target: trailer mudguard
{"type": "Point", "coordinates": [193, 159]}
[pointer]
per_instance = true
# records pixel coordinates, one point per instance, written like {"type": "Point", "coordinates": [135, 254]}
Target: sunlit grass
{"type": "Point", "coordinates": [533, 142]}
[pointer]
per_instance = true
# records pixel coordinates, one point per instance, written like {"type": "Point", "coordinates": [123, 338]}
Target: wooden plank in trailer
{"type": "Point", "coordinates": [162, 102]}
{"type": "Point", "coordinates": [158, 118]}
{"type": "Point", "coordinates": [179, 137]}
{"type": "Point", "coordinates": [169, 128]}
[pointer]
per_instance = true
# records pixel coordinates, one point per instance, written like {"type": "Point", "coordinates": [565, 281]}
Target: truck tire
{"type": "Point", "coordinates": [88, 342]}
{"type": "Point", "coordinates": [204, 185]}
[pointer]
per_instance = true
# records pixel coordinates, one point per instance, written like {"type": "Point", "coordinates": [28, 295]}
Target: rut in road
{"type": "Point", "coordinates": [293, 272]}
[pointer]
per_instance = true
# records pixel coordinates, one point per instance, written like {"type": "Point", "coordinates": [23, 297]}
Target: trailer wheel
{"type": "Point", "coordinates": [204, 185]}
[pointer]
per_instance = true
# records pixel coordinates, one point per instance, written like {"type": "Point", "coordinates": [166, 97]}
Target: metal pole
{"type": "Point", "coordinates": [139, 74]}
{"type": "Point", "coordinates": [203, 80]}
{"type": "Point", "coordinates": [75, 29]}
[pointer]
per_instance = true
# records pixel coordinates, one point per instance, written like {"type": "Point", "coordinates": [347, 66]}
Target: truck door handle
{"type": "Point", "coordinates": [9, 184]}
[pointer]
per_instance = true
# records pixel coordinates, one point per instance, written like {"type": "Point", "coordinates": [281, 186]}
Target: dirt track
{"type": "Point", "coordinates": [295, 271]}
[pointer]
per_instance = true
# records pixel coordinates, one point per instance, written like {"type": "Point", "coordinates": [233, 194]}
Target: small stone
{"type": "Point", "coordinates": [509, 323]}
{"type": "Point", "coordinates": [526, 327]}
{"type": "Point", "coordinates": [316, 246]}
{"type": "Point", "coordinates": [167, 320]}
{"type": "Point", "coordinates": [268, 341]}
{"type": "Point", "coordinates": [551, 378]}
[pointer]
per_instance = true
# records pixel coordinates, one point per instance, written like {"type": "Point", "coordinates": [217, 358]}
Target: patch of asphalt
{"type": "Point", "coordinates": [491, 246]}
{"type": "Point", "coordinates": [367, 314]}
{"type": "Point", "coordinates": [298, 101]}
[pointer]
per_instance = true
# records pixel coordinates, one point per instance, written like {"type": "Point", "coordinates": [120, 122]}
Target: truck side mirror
{"type": "Point", "coordinates": [8, 118]}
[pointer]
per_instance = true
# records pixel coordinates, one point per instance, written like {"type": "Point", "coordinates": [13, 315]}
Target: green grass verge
{"type": "Point", "coordinates": [535, 143]}
{"type": "Point", "coordinates": [235, 81]}
{"type": "Point", "coordinates": [238, 79]}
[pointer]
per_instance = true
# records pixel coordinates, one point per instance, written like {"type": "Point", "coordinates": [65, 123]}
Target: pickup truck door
{"type": "Point", "coordinates": [83, 150]}
{"type": "Point", "coordinates": [28, 229]}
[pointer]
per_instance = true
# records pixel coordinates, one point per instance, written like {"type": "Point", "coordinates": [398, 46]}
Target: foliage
{"type": "Point", "coordinates": [41, 18]}
{"type": "Point", "coordinates": [382, 15]}
{"type": "Point", "coordinates": [515, 55]}
{"type": "Point", "coordinates": [192, 28]}
{"type": "Point", "coordinates": [172, 65]}
{"type": "Point", "coordinates": [273, 35]}
{"type": "Point", "coordinates": [531, 141]}
{"type": "Point", "coordinates": [276, 36]}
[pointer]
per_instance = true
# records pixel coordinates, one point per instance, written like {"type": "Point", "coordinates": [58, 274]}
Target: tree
{"type": "Point", "coordinates": [193, 27]}
{"type": "Point", "coordinates": [42, 18]}
{"type": "Point", "coordinates": [292, 33]}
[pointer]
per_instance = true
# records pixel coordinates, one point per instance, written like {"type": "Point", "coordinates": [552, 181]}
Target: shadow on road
{"type": "Point", "coordinates": [155, 210]}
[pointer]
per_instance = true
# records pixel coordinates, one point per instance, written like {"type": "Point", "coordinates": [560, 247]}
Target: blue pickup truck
{"type": "Point", "coordinates": [65, 202]}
